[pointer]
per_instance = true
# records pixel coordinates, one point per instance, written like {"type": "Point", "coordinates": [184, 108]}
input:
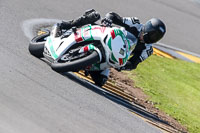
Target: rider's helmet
{"type": "Point", "coordinates": [153, 30]}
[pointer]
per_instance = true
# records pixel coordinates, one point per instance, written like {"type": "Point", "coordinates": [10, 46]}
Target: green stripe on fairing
{"type": "Point", "coordinates": [90, 34]}
{"type": "Point", "coordinates": [82, 32]}
{"type": "Point", "coordinates": [125, 59]}
{"type": "Point", "coordinates": [109, 44]}
{"type": "Point", "coordinates": [113, 58]}
{"type": "Point", "coordinates": [129, 46]}
{"type": "Point", "coordinates": [91, 47]}
{"type": "Point", "coordinates": [53, 53]}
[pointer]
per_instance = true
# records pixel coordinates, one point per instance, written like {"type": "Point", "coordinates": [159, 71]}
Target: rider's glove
{"type": "Point", "coordinates": [91, 16]}
{"type": "Point", "coordinates": [106, 22]}
{"type": "Point", "coordinates": [65, 25]}
{"type": "Point", "coordinates": [87, 12]}
{"type": "Point", "coordinates": [135, 20]}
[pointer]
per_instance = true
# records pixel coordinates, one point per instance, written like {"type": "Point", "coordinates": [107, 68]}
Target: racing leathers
{"type": "Point", "coordinates": [131, 24]}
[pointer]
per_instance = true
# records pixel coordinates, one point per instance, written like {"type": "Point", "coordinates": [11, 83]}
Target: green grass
{"type": "Point", "coordinates": [174, 85]}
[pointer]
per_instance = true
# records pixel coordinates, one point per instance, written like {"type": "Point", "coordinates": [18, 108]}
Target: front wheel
{"type": "Point", "coordinates": [76, 65]}
{"type": "Point", "coordinates": [36, 45]}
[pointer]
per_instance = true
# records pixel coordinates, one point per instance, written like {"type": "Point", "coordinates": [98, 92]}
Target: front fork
{"type": "Point", "coordinates": [97, 66]}
{"type": "Point", "coordinates": [91, 47]}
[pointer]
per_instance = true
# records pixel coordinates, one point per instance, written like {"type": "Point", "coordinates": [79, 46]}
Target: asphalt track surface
{"type": "Point", "coordinates": [35, 99]}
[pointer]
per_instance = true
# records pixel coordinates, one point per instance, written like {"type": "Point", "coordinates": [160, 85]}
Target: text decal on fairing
{"type": "Point", "coordinates": [84, 34]}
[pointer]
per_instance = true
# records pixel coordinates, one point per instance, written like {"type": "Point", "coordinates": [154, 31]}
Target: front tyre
{"type": "Point", "coordinates": [76, 65]}
{"type": "Point", "coordinates": [36, 45]}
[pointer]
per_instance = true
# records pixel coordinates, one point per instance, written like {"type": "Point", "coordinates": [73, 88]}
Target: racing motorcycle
{"type": "Point", "coordinates": [91, 47]}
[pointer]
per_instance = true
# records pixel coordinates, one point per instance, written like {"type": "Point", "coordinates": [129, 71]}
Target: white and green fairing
{"type": "Point", "coordinates": [117, 46]}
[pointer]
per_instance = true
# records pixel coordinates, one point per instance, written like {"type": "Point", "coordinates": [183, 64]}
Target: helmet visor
{"type": "Point", "coordinates": [151, 34]}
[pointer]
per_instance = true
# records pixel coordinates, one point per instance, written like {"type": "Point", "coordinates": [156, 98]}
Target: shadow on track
{"type": "Point", "coordinates": [115, 98]}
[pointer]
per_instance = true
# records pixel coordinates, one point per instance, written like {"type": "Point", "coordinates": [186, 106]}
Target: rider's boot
{"type": "Point", "coordinates": [100, 77]}
{"type": "Point", "coordinates": [89, 17]}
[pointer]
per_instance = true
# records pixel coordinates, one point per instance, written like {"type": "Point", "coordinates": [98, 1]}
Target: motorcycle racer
{"type": "Point", "coordinates": [146, 34]}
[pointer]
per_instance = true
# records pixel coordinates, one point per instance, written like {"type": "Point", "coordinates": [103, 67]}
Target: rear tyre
{"type": "Point", "coordinates": [78, 64]}
{"type": "Point", "coordinates": [36, 45]}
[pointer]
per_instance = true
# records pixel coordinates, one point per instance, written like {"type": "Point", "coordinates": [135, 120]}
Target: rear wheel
{"type": "Point", "coordinates": [76, 62]}
{"type": "Point", "coordinates": [36, 45]}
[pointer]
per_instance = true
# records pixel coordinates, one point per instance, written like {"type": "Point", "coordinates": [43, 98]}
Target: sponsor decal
{"type": "Point", "coordinates": [115, 33]}
{"type": "Point", "coordinates": [102, 29]}
{"type": "Point", "coordinates": [84, 34]}
{"type": "Point", "coordinates": [122, 52]}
